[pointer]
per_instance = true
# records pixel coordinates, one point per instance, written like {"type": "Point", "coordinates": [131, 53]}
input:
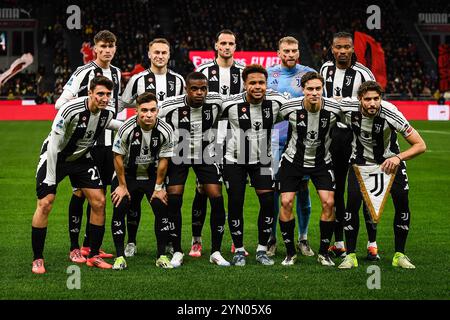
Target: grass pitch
{"type": "Point", "coordinates": [427, 245]}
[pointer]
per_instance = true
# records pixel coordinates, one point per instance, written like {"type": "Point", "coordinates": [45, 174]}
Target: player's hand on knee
{"type": "Point", "coordinates": [118, 194]}
{"type": "Point", "coordinates": [161, 195]}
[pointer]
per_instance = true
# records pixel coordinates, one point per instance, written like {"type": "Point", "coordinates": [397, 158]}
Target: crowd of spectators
{"type": "Point", "coordinates": [405, 69]}
{"type": "Point", "coordinates": [258, 26]}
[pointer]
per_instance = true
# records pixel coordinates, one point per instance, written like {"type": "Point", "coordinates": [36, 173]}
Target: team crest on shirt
{"type": "Point", "coordinates": [115, 79]}
{"type": "Point", "coordinates": [266, 113]}
{"type": "Point", "coordinates": [377, 128]}
{"type": "Point", "coordinates": [102, 121]}
{"type": "Point", "coordinates": [235, 78]}
{"type": "Point", "coordinates": [324, 122]}
{"type": "Point", "coordinates": [298, 81]}
{"type": "Point", "coordinates": [207, 114]}
{"type": "Point", "coordinates": [154, 142]}
{"type": "Point", "coordinates": [348, 80]}
{"type": "Point", "coordinates": [171, 85]}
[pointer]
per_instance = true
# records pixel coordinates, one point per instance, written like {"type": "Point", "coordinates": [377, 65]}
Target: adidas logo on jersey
{"type": "Point", "coordinates": [214, 78]}
{"type": "Point", "coordinates": [301, 124]}
{"type": "Point", "coordinates": [136, 143]}
{"type": "Point", "coordinates": [244, 117]}
{"type": "Point", "coordinates": [185, 119]}
{"type": "Point", "coordinates": [151, 86]}
{"type": "Point", "coordinates": [329, 79]}
{"type": "Point", "coordinates": [82, 125]}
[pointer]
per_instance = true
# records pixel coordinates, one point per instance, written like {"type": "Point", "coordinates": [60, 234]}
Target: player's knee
{"type": "Point", "coordinates": [286, 203]}
{"type": "Point", "coordinates": [98, 204]}
{"type": "Point", "coordinates": [45, 205]}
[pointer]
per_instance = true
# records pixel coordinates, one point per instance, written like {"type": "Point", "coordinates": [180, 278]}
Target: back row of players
{"type": "Point", "coordinates": [153, 151]}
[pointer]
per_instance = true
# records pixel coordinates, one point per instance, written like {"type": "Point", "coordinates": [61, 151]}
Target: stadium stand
{"type": "Point", "coordinates": [258, 25]}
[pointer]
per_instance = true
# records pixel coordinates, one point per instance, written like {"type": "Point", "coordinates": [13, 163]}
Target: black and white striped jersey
{"type": "Point", "coordinates": [78, 86]}
{"type": "Point", "coordinates": [250, 127]}
{"type": "Point", "coordinates": [225, 81]}
{"type": "Point", "coordinates": [163, 86]}
{"type": "Point", "coordinates": [78, 128]}
{"type": "Point", "coordinates": [141, 149]}
{"type": "Point", "coordinates": [374, 138]}
{"type": "Point", "coordinates": [193, 137]}
{"type": "Point", "coordinates": [309, 136]}
{"type": "Point", "coordinates": [344, 83]}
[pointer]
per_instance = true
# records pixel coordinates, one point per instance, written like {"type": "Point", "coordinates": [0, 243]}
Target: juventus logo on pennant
{"type": "Point", "coordinates": [375, 186]}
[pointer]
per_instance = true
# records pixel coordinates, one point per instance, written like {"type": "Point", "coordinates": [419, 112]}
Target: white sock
{"type": "Point", "coordinates": [372, 244]}
{"type": "Point", "coordinates": [303, 237]}
{"type": "Point", "coordinates": [339, 244]}
{"type": "Point", "coordinates": [261, 248]}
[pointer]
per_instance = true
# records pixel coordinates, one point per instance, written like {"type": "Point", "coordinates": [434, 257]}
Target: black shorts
{"type": "Point", "coordinates": [291, 176]}
{"type": "Point", "coordinates": [235, 175]}
{"type": "Point", "coordinates": [82, 174]}
{"type": "Point", "coordinates": [137, 186]}
{"type": "Point", "coordinates": [206, 173]}
{"type": "Point", "coordinates": [103, 159]}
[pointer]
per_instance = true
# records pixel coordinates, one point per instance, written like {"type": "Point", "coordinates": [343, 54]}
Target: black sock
{"type": "Point", "coordinates": [175, 203]}
{"type": "Point", "coordinates": [96, 236]}
{"type": "Point", "coordinates": [217, 223]}
{"type": "Point", "coordinates": [38, 241]}
{"type": "Point", "coordinates": [371, 227]}
{"type": "Point", "coordinates": [75, 219]}
{"type": "Point", "coordinates": [287, 231]}
{"type": "Point", "coordinates": [265, 218]}
{"type": "Point", "coordinates": [133, 219]}
{"type": "Point", "coordinates": [118, 228]}
{"type": "Point", "coordinates": [198, 213]}
{"type": "Point", "coordinates": [161, 225]}
{"type": "Point", "coordinates": [236, 217]}
{"type": "Point", "coordinates": [326, 232]}
{"type": "Point", "coordinates": [87, 240]}
{"type": "Point", "coordinates": [402, 219]}
{"type": "Point", "coordinates": [338, 231]}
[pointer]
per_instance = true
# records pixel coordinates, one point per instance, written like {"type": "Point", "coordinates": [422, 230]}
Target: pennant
{"type": "Point", "coordinates": [375, 186]}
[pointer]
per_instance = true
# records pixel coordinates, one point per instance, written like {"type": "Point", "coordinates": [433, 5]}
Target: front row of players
{"type": "Point", "coordinates": [161, 144]}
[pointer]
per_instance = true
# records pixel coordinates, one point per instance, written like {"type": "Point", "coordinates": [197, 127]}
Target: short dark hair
{"type": "Point", "coordinates": [195, 76]}
{"type": "Point", "coordinates": [225, 31]}
{"type": "Point", "coordinates": [369, 86]}
{"type": "Point", "coordinates": [145, 98]}
{"type": "Point", "coordinates": [342, 34]}
{"type": "Point", "coordinates": [158, 40]}
{"type": "Point", "coordinates": [311, 75]}
{"type": "Point", "coordinates": [254, 68]}
{"type": "Point", "coordinates": [105, 36]}
{"type": "Point", "coordinates": [101, 81]}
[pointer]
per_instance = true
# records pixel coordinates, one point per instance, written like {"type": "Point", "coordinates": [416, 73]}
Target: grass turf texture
{"type": "Point", "coordinates": [427, 244]}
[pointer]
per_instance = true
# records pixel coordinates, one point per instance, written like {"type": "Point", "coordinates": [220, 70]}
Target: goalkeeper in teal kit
{"type": "Point", "coordinates": [285, 78]}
